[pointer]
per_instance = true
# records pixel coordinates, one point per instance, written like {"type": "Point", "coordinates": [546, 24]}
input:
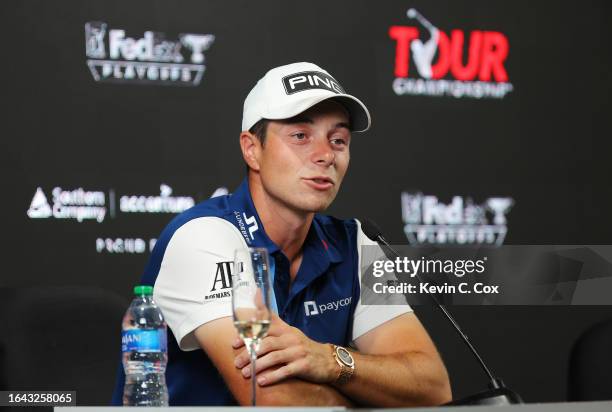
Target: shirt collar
{"type": "Point", "coordinates": [249, 224]}
{"type": "Point", "coordinates": [247, 220]}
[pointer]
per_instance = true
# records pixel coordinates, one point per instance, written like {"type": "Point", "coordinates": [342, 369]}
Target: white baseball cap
{"type": "Point", "coordinates": [289, 90]}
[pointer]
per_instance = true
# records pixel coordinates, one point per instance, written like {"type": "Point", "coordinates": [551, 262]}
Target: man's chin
{"type": "Point", "coordinates": [311, 205]}
{"type": "Point", "coordinates": [318, 206]}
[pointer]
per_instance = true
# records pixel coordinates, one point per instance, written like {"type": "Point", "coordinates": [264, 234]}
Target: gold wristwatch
{"type": "Point", "coordinates": [346, 362]}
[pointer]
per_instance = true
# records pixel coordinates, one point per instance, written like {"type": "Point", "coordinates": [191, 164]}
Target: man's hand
{"type": "Point", "coordinates": [287, 353]}
{"type": "Point", "coordinates": [397, 364]}
{"type": "Point", "coordinates": [216, 339]}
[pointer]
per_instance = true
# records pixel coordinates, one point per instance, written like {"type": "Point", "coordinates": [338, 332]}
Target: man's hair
{"type": "Point", "coordinates": [259, 130]}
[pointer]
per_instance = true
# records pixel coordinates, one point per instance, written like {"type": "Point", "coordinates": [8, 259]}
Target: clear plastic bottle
{"type": "Point", "coordinates": [145, 353]}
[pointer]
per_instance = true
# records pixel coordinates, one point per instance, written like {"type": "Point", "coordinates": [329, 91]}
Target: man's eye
{"type": "Point", "coordinates": [299, 136]}
{"type": "Point", "coordinates": [338, 141]}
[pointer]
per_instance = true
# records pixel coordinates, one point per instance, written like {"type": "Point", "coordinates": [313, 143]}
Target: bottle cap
{"type": "Point", "coordinates": [143, 290]}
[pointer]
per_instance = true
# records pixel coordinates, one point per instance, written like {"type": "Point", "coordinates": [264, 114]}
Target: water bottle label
{"type": "Point", "coordinates": [144, 340]}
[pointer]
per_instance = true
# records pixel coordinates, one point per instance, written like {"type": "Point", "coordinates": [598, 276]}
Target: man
{"type": "Point", "coordinates": [297, 125]}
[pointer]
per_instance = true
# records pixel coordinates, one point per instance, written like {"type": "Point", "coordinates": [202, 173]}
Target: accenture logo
{"type": "Point", "coordinates": [461, 222]}
{"type": "Point", "coordinates": [163, 203]}
{"type": "Point", "coordinates": [153, 59]}
{"type": "Point", "coordinates": [456, 64]}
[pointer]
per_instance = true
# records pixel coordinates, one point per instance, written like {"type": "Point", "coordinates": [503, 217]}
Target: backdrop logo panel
{"type": "Point", "coordinates": [149, 204]}
{"type": "Point", "coordinates": [164, 203]}
{"type": "Point", "coordinates": [151, 59]}
{"type": "Point", "coordinates": [462, 222]}
{"type": "Point", "coordinates": [77, 204]}
{"type": "Point", "coordinates": [80, 204]}
{"type": "Point", "coordinates": [483, 75]}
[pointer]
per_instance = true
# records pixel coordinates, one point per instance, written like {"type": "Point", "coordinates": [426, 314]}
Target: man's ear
{"type": "Point", "coordinates": [251, 149]}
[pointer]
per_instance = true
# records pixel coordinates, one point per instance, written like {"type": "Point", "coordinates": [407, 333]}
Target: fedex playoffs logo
{"type": "Point", "coordinates": [457, 65]}
{"type": "Point", "coordinates": [113, 56]}
{"type": "Point", "coordinates": [462, 222]}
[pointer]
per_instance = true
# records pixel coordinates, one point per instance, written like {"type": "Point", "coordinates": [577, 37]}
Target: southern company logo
{"type": "Point", "coordinates": [81, 205]}
{"type": "Point", "coordinates": [482, 76]}
{"type": "Point", "coordinates": [151, 59]}
{"type": "Point", "coordinates": [462, 222]}
{"type": "Point", "coordinates": [75, 204]}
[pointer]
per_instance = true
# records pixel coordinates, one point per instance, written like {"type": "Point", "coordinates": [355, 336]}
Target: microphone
{"type": "Point", "coordinates": [498, 393]}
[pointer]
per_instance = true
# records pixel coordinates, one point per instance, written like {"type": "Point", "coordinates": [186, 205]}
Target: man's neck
{"type": "Point", "coordinates": [286, 227]}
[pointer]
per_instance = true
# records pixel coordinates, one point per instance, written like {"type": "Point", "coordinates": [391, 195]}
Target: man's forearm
{"type": "Point", "coordinates": [297, 392]}
{"type": "Point", "coordinates": [402, 379]}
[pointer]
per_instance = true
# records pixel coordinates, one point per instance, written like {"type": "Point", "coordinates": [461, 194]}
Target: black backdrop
{"type": "Point", "coordinates": [544, 144]}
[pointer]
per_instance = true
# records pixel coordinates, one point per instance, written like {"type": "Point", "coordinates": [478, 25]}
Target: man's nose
{"type": "Point", "coordinates": [322, 153]}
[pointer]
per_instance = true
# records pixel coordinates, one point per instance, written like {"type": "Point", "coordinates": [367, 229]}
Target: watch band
{"type": "Point", "coordinates": [347, 367]}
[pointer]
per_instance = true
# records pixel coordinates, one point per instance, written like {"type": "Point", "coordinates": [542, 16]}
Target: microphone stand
{"type": "Point", "coordinates": [498, 393]}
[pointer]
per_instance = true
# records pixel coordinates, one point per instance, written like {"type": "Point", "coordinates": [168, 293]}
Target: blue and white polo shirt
{"type": "Point", "coordinates": [190, 268]}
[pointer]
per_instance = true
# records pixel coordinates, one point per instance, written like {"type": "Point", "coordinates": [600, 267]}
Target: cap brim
{"type": "Point", "coordinates": [358, 113]}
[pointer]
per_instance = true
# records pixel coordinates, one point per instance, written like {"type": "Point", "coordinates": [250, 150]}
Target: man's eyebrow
{"type": "Point", "coordinates": [298, 119]}
{"type": "Point", "coordinates": [343, 124]}
{"type": "Point", "coordinates": [305, 119]}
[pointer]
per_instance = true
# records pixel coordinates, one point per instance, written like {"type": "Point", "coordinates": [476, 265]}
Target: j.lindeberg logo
{"type": "Point", "coordinates": [252, 223]}
{"type": "Point", "coordinates": [311, 308]}
{"type": "Point", "coordinates": [150, 59]}
{"type": "Point", "coordinates": [246, 223]}
{"type": "Point", "coordinates": [298, 82]}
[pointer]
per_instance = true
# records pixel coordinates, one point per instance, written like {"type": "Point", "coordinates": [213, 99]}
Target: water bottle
{"type": "Point", "coordinates": [145, 353]}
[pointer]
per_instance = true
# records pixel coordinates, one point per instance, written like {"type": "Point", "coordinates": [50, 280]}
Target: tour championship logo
{"type": "Point", "coordinates": [462, 222]}
{"type": "Point", "coordinates": [151, 59]}
{"type": "Point", "coordinates": [456, 64]}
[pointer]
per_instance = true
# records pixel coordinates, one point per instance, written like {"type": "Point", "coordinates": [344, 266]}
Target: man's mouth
{"type": "Point", "coordinates": [320, 182]}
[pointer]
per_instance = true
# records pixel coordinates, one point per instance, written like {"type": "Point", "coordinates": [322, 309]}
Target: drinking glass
{"type": "Point", "coordinates": [251, 301]}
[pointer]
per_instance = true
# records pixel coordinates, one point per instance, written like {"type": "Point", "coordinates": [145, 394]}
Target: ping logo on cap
{"type": "Point", "coordinates": [298, 82]}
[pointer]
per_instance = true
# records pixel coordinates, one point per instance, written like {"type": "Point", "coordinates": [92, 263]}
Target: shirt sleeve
{"type": "Point", "coordinates": [369, 316]}
{"type": "Point", "coordinates": [193, 285]}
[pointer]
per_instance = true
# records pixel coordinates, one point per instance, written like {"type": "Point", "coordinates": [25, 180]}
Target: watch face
{"type": "Point", "coordinates": [345, 356]}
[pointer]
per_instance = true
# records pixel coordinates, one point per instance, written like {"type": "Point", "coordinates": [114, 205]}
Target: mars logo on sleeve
{"type": "Point", "coordinates": [222, 281]}
{"type": "Point", "coordinates": [455, 64]}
